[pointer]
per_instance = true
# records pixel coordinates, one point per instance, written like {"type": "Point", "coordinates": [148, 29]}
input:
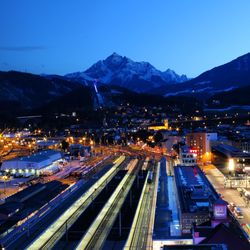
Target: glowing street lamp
{"type": "Point", "coordinates": [5, 178]}
{"type": "Point", "coordinates": [231, 165]}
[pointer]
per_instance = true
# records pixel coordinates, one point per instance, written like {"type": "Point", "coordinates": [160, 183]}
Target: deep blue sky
{"type": "Point", "coordinates": [63, 36]}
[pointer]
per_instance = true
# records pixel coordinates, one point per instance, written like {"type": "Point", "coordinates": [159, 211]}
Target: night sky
{"type": "Point", "coordinates": [62, 36]}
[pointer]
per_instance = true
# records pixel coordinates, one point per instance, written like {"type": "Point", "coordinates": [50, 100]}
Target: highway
{"type": "Point", "coordinates": [48, 238]}
{"type": "Point", "coordinates": [100, 228]}
{"type": "Point", "coordinates": [140, 236]}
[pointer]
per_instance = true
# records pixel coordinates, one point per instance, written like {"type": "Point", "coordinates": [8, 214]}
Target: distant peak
{"type": "Point", "coordinates": [168, 70]}
{"type": "Point", "coordinates": [114, 58]}
{"type": "Point", "coordinates": [115, 54]}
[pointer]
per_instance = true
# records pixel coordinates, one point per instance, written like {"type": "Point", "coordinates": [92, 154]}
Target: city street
{"type": "Point", "coordinates": [230, 195]}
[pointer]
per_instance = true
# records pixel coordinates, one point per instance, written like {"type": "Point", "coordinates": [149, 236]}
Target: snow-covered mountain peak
{"type": "Point", "coordinates": [114, 59]}
{"type": "Point", "coordinates": [122, 71]}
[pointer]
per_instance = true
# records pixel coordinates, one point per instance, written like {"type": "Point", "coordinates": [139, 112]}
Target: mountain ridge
{"type": "Point", "coordinates": [222, 78]}
{"type": "Point", "coordinates": [21, 91]}
{"type": "Point", "coordinates": [31, 90]}
{"type": "Point", "coordinates": [124, 72]}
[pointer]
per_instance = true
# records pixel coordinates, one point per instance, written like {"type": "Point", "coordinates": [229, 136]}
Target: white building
{"type": "Point", "coordinates": [39, 163]}
{"type": "Point", "coordinates": [187, 156]}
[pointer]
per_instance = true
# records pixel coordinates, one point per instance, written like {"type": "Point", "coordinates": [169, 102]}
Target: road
{"type": "Point", "coordinates": [230, 195]}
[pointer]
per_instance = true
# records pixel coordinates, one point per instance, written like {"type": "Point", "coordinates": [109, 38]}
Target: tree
{"type": "Point", "coordinates": [158, 137]}
{"type": "Point", "coordinates": [65, 145]}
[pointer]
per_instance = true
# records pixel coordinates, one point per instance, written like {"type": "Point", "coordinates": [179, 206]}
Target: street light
{"type": "Point", "coordinates": [231, 165]}
{"type": "Point", "coordinates": [84, 140]}
{"type": "Point", "coordinates": [5, 178]}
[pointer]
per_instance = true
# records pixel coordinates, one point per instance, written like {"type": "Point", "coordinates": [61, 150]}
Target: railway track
{"type": "Point", "coordinates": [57, 229]}
{"type": "Point", "coordinates": [100, 228]}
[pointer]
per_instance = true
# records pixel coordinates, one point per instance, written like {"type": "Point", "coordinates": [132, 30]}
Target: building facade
{"type": "Point", "coordinates": [36, 164]}
{"type": "Point", "coordinates": [201, 142]}
{"type": "Point", "coordinates": [187, 156]}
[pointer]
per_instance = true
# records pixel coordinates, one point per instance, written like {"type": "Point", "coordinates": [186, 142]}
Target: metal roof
{"type": "Point", "coordinates": [194, 189]}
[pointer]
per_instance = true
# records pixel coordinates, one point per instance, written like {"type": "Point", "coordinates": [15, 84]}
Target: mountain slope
{"type": "Point", "coordinates": [239, 97]}
{"type": "Point", "coordinates": [78, 99]}
{"type": "Point", "coordinates": [122, 71]}
{"type": "Point", "coordinates": [226, 77]}
{"type": "Point", "coordinates": [28, 91]}
{"type": "Point", "coordinates": [230, 75]}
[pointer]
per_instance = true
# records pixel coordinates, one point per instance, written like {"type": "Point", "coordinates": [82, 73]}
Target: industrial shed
{"type": "Point", "coordinates": [35, 164]}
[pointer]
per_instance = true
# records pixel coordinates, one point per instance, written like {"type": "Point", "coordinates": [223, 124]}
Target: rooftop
{"type": "Point", "coordinates": [223, 234]}
{"type": "Point", "coordinates": [43, 143]}
{"type": "Point", "coordinates": [195, 191]}
{"type": "Point", "coordinates": [230, 151]}
{"type": "Point", "coordinates": [10, 207]}
{"type": "Point", "coordinates": [196, 247]}
{"type": "Point", "coordinates": [26, 192]}
{"type": "Point", "coordinates": [38, 157]}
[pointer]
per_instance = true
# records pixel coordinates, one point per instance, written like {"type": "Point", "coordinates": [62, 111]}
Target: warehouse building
{"type": "Point", "coordinates": [36, 164]}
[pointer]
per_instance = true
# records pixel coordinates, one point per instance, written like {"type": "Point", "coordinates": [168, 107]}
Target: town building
{"type": "Point", "coordinates": [79, 150]}
{"type": "Point", "coordinates": [227, 234]}
{"type": "Point", "coordinates": [201, 142]}
{"type": "Point", "coordinates": [160, 126]}
{"type": "Point", "coordinates": [47, 144]}
{"type": "Point", "coordinates": [196, 196]}
{"type": "Point", "coordinates": [187, 156]}
{"type": "Point", "coordinates": [196, 247]}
